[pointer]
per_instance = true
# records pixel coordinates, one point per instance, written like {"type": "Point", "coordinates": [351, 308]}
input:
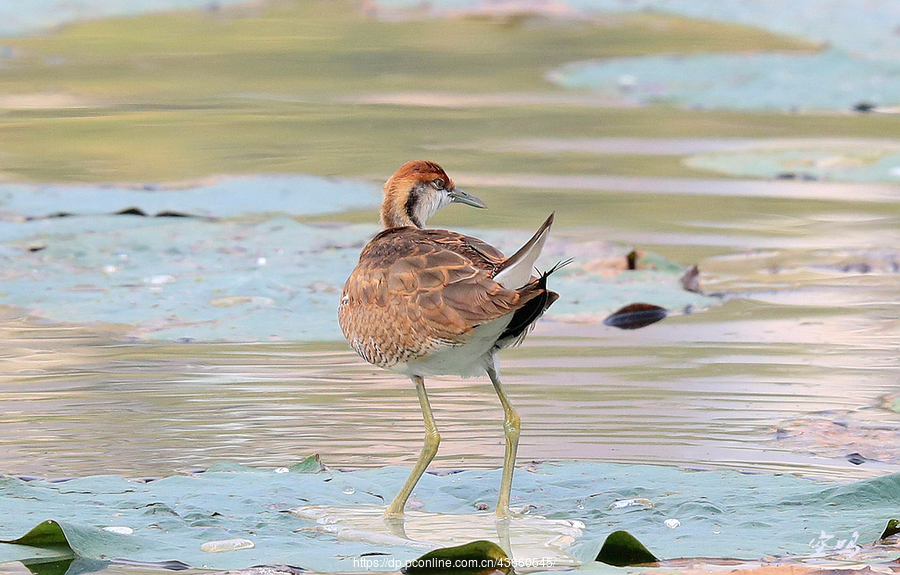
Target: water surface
{"type": "Point", "coordinates": [810, 326]}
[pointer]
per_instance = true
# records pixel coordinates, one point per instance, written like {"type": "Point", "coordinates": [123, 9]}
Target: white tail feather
{"type": "Point", "coordinates": [517, 270]}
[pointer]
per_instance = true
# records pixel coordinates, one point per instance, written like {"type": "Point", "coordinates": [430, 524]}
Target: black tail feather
{"type": "Point", "coordinates": [524, 318]}
{"type": "Point", "coordinates": [559, 265]}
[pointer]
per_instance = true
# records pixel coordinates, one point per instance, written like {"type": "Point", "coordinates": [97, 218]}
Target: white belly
{"type": "Point", "coordinates": [468, 360]}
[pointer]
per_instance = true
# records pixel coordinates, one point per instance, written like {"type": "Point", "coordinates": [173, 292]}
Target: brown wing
{"type": "Point", "coordinates": [482, 254]}
{"type": "Point", "coordinates": [414, 289]}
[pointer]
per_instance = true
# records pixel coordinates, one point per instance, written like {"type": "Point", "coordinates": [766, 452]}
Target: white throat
{"type": "Point", "coordinates": [427, 204]}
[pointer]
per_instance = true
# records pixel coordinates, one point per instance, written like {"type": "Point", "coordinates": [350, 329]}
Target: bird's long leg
{"type": "Point", "coordinates": [432, 440]}
{"type": "Point", "coordinates": [511, 426]}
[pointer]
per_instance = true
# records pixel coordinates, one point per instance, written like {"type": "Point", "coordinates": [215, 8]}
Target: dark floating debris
{"type": "Point", "coordinates": [857, 268]}
{"type": "Point", "coordinates": [162, 214]}
{"type": "Point", "coordinates": [690, 281]}
{"type": "Point", "coordinates": [50, 216]}
{"type": "Point", "coordinates": [173, 565]}
{"type": "Point", "coordinates": [132, 212]}
{"type": "Point", "coordinates": [857, 459]}
{"type": "Point", "coordinates": [631, 259]}
{"type": "Point", "coordinates": [635, 316]}
{"type": "Point", "coordinates": [37, 248]}
{"type": "Point", "coordinates": [807, 177]}
{"type": "Point", "coordinates": [172, 214]}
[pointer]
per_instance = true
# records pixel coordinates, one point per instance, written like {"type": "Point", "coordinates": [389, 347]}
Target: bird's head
{"type": "Point", "coordinates": [416, 191]}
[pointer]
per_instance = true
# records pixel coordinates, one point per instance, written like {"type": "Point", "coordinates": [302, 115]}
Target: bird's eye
{"type": "Point", "coordinates": [437, 183]}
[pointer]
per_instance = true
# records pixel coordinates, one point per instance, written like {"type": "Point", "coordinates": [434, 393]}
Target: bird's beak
{"type": "Point", "coordinates": [460, 197]}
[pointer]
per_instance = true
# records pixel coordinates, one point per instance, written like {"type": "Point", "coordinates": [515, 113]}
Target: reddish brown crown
{"type": "Point", "coordinates": [398, 190]}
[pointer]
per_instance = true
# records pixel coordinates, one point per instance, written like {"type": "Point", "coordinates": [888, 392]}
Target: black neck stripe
{"type": "Point", "coordinates": [410, 206]}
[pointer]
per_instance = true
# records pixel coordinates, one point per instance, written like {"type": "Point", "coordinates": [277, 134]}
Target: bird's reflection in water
{"type": "Point", "coordinates": [524, 538]}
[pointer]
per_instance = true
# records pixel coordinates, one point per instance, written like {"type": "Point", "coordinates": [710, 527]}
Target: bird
{"type": "Point", "coordinates": [423, 302]}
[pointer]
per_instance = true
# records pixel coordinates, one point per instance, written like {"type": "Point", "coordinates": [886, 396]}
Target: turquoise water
{"type": "Point", "coordinates": [792, 371]}
{"type": "Point", "coordinates": [857, 65]}
{"type": "Point", "coordinates": [834, 79]}
{"type": "Point", "coordinates": [820, 163]}
{"type": "Point", "coordinates": [232, 262]}
{"type": "Point", "coordinates": [124, 353]}
{"type": "Point", "coordinates": [713, 514]}
{"type": "Point", "coordinates": [866, 28]}
{"type": "Point", "coordinates": [802, 328]}
{"type": "Point", "coordinates": [35, 15]}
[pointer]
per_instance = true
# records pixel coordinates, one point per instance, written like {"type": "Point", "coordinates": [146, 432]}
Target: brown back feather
{"type": "Point", "coordinates": [413, 289]}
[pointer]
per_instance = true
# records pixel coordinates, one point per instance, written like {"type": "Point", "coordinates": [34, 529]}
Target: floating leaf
{"type": "Point", "coordinates": [216, 197]}
{"type": "Point", "coordinates": [865, 162]}
{"type": "Point", "coordinates": [226, 467]}
{"type": "Point", "coordinates": [48, 534]}
{"type": "Point", "coordinates": [172, 517]}
{"type": "Point", "coordinates": [892, 528]}
{"type": "Point", "coordinates": [892, 402]}
{"type": "Point", "coordinates": [739, 81]}
{"type": "Point", "coordinates": [468, 559]}
{"type": "Point", "coordinates": [58, 540]}
{"type": "Point", "coordinates": [135, 272]}
{"type": "Point", "coordinates": [60, 567]}
{"type": "Point", "coordinates": [70, 566]}
{"type": "Point", "coordinates": [622, 549]}
{"type": "Point", "coordinates": [312, 464]}
{"type": "Point", "coordinates": [636, 315]}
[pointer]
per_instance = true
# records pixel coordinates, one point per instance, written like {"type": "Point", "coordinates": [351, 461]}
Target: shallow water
{"type": "Point", "coordinates": [30, 17]}
{"type": "Point", "coordinates": [810, 323]}
{"type": "Point", "coordinates": [859, 45]}
{"type": "Point", "coordinates": [792, 369]}
{"type": "Point", "coordinates": [742, 81]}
